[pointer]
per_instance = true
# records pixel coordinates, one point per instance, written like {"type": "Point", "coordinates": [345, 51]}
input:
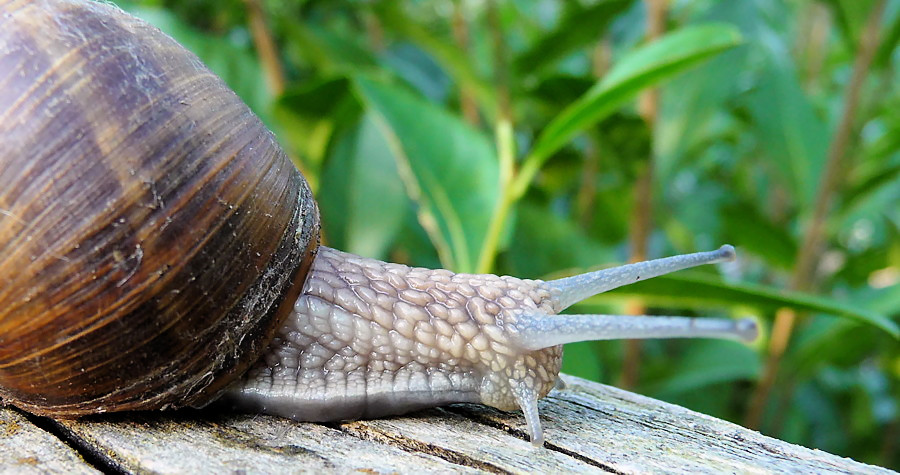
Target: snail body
{"type": "Point", "coordinates": [159, 250]}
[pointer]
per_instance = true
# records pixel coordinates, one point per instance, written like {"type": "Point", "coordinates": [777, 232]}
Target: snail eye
{"type": "Point", "coordinates": [571, 290]}
{"type": "Point", "coordinates": [536, 331]}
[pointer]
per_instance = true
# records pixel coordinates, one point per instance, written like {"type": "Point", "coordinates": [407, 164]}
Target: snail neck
{"type": "Point", "coordinates": [368, 338]}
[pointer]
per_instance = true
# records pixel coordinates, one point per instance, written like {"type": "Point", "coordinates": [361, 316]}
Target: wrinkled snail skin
{"type": "Point", "coordinates": [158, 250]}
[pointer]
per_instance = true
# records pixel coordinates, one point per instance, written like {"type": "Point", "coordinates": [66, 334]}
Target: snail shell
{"type": "Point", "coordinates": [151, 227]}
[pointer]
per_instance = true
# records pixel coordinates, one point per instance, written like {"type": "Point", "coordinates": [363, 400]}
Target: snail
{"type": "Point", "coordinates": [159, 250]}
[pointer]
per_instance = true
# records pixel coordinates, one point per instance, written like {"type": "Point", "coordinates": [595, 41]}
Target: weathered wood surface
{"type": "Point", "coordinates": [590, 428]}
{"type": "Point", "coordinates": [26, 448]}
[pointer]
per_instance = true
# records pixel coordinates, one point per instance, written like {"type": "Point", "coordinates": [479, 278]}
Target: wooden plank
{"type": "Point", "coordinates": [589, 428]}
{"type": "Point", "coordinates": [201, 442]}
{"type": "Point", "coordinates": [26, 448]}
{"type": "Point", "coordinates": [474, 444]}
{"type": "Point", "coordinates": [629, 433]}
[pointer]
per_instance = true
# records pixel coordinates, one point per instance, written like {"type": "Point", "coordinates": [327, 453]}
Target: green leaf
{"type": "Point", "coordinates": [327, 50]}
{"type": "Point", "coordinates": [308, 114]}
{"type": "Point", "coordinates": [889, 42]}
{"type": "Point", "coordinates": [362, 166]}
{"type": "Point", "coordinates": [753, 231]}
{"type": "Point", "coordinates": [708, 362]}
{"type": "Point", "coordinates": [450, 169]}
{"type": "Point", "coordinates": [793, 137]}
{"type": "Point", "coordinates": [642, 68]}
{"type": "Point", "coordinates": [851, 16]}
{"type": "Point", "coordinates": [543, 240]}
{"type": "Point", "coordinates": [885, 177]}
{"type": "Point", "coordinates": [694, 290]}
{"type": "Point", "coordinates": [580, 27]}
{"type": "Point", "coordinates": [829, 341]}
{"type": "Point", "coordinates": [443, 49]}
{"type": "Point", "coordinates": [582, 360]}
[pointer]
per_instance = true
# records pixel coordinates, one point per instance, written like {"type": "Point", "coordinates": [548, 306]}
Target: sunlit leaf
{"type": "Point", "coordinates": [580, 27]}
{"type": "Point", "coordinates": [449, 168]}
{"type": "Point", "coordinates": [695, 290]}
{"type": "Point", "coordinates": [708, 362]}
{"type": "Point", "coordinates": [362, 166]}
{"type": "Point", "coordinates": [793, 137]}
{"type": "Point", "coordinates": [644, 67]}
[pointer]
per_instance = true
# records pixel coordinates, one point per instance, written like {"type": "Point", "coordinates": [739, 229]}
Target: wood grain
{"type": "Point", "coordinates": [25, 448]}
{"type": "Point", "coordinates": [590, 428]}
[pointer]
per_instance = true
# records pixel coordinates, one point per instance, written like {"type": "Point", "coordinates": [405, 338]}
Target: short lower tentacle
{"type": "Point", "coordinates": [527, 399]}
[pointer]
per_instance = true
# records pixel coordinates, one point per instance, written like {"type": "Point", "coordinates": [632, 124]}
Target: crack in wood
{"type": "Point", "coordinates": [479, 415]}
{"type": "Point", "coordinates": [584, 459]}
{"type": "Point", "coordinates": [88, 452]}
{"type": "Point", "coordinates": [364, 431]}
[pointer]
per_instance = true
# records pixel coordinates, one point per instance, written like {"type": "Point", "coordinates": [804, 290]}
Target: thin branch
{"type": "Point", "coordinates": [601, 58]}
{"type": "Point", "coordinates": [503, 131]}
{"type": "Point", "coordinates": [467, 102]}
{"type": "Point", "coordinates": [500, 60]}
{"type": "Point", "coordinates": [814, 236]}
{"type": "Point", "coordinates": [814, 38]}
{"type": "Point", "coordinates": [642, 214]}
{"type": "Point", "coordinates": [265, 47]}
{"type": "Point", "coordinates": [374, 30]}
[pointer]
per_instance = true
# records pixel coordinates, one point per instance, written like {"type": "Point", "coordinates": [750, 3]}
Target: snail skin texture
{"type": "Point", "coordinates": [158, 250]}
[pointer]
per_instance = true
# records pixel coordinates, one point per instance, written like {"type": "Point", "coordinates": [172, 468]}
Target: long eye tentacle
{"type": "Point", "coordinates": [571, 290]}
{"type": "Point", "coordinates": [535, 332]}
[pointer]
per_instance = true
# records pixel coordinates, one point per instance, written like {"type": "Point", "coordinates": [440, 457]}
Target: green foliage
{"type": "Point", "coordinates": [451, 175]}
{"type": "Point", "coordinates": [638, 70]}
{"type": "Point", "coordinates": [506, 136]}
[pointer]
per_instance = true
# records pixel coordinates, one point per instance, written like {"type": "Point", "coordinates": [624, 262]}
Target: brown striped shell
{"type": "Point", "coordinates": [150, 226]}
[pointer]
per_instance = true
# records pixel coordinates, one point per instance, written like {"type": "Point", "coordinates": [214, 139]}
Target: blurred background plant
{"type": "Point", "coordinates": [543, 137]}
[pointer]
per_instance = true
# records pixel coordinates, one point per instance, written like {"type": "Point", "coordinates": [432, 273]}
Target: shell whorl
{"type": "Point", "coordinates": [150, 225]}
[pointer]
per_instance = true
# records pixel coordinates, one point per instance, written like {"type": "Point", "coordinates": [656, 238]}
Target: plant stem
{"type": "Point", "coordinates": [642, 214]}
{"type": "Point", "coordinates": [274, 73]}
{"type": "Point", "coordinates": [501, 62]}
{"type": "Point", "coordinates": [813, 42]}
{"type": "Point", "coordinates": [265, 47]}
{"type": "Point", "coordinates": [814, 236]}
{"type": "Point", "coordinates": [506, 152]}
{"type": "Point", "coordinates": [506, 147]}
{"type": "Point", "coordinates": [587, 191]}
{"type": "Point", "coordinates": [467, 103]}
